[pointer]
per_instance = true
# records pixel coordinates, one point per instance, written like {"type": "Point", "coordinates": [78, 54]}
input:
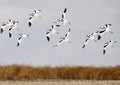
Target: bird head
{"type": "Point", "coordinates": [109, 24]}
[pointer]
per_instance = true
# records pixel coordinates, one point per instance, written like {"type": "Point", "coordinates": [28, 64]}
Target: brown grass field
{"type": "Point", "coordinates": [59, 75]}
{"type": "Point", "coordinates": [22, 72]}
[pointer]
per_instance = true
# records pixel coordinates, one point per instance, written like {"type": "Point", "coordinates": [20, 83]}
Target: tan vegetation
{"type": "Point", "coordinates": [22, 72]}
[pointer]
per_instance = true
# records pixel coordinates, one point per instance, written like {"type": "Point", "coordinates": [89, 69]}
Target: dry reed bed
{"type": "Point", "coordinates": [22, 72]}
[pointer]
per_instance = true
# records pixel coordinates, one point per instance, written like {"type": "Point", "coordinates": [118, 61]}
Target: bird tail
{"type": "Point", "coordinates": [48, 38]}
{"type": "Point", "coordinates": [10, 35]}
{"type": "Point", "coordinates": [30, 24]}
{"type": "Point", "coordinates": [104, 51]}
{"type": "Point", "coordinates": [1, 30]}
{"type": "Point", "coordinates": [99, 37]}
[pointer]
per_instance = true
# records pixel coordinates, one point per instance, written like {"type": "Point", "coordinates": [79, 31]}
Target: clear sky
{"type": "Point", "coordinates": [86, 16]}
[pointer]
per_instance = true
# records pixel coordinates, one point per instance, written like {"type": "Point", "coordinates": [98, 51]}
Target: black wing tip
{"type": "Point", "coordinates": [10, 35]}
{"type": "Point", "coordinates": [99, 37]}
{"type": "Point", "coordinates": [18, 44]}
{"type": "Point", "coordinates": [83, 46]}
{"type": "Point", "coordinates": [57, 25]}
{"type": "Point", "coordinates": [10, 29]}
{"type": "Point", "coordinates": [30, 24]}
{"type": "Point", "coordinates": [1, 31]}
{"type": "Point", "coordinates": [104, 51]}
{"type": "Point", "coordinates": [48, 38]}
{"type": "Point", "coordinates": [65, 10]}
{"type": "Point", "coordinates": [69, 30]}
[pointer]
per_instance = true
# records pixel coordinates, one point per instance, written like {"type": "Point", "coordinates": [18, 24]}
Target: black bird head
{"type": "Point", "coordinates": [110, 24]}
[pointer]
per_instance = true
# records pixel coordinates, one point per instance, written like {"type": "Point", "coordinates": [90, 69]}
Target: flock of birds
{"type": "Point", "coordinates": [66, 38]}
{"type": "Point", "coordinates": [100, 33]}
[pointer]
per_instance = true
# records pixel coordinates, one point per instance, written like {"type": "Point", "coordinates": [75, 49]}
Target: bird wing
{"type": "Point", "coordinates": [60, 42]}
{"type": "Point", "coordinates": [68, 33]}
{"type": "Point", "coordinates": [63, 16]}
{"type": "Point", "coordinates": [65, 10]}
{"type": "Point", "coordinates": [104, 51]}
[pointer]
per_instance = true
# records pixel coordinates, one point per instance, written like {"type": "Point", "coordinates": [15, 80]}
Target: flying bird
{"type": "Point", "coordinates": [104, 30]}
{"type": "Point", "coordinates": [64, 39]}
{"type": "Point", "coordinates": [33, 15]}
{"type": "Point", "coordinates": [5, 24]}
{"type": "Point", "coordinates": [12, 27]}
{"type": "Point", "coordinates": [52, 30]}
{"type": "Point", "coordinates": [89, 38]}
{"type": "Point", "coordinates": [108, 44]}
{"type": "Point", "coordinates": [22, 36]}
{"type": "Point", "coordinates": [63, 18]}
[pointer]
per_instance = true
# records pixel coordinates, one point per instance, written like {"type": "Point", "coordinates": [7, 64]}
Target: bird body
{"type": "Point", "coordinates": [12, 27]}
{"type": "Point", "coordinates": [104, 30]}
{"type": "Point", "coordinates": [108, 44]}
{"type": "Point", "coordinates": [63, 18]}
{"type": "Point", "coordinates": [52, 30]}
{"type": "Point", "coordinates": [90, 38]}
{"type": "Point", "coordinates": [33, 15]}
{"type": "Point", "coordinates": [22, 36]}
{"type": "Point", "coordinates": [64, 39]}
{"type": "Point", "coordinates": [5, 24]}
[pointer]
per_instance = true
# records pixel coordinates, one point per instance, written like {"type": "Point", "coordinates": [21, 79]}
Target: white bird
{"type": "Point", "coordinates": [90, 38]}
{"type": "Point", "coordinates": [63, 18]}
{"type": "Point", "coordinates": [33, 15]}
{"type": "Point", "coordinates": [52, 30]}
{"type": "Point", "coordinates": [22, 36]}
{"type": "Point", "coordinates": [64, 39]}
{"type": "Point", "coordinates": [5, 24]}
{"type": "Point", "coordinates": [108, 44]}
{"type": "Point", "coordinates": [103, 30]}
{"type": "Point", "coordinates": [12, 27]}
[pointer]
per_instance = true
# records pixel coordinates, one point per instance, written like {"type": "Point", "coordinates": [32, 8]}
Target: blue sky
{"type": "Point", "coordinates": [86, 16]}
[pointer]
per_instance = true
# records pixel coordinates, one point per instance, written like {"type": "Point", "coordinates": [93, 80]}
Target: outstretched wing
{"type": "Point", "coordinates": [65, 10]}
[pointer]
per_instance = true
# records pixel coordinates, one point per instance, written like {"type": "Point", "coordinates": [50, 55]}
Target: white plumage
{"type": "Point", "coordinates": [89, 38]}
{"type": "Point", "coordinates": [12, 27]}
{"type": "Point", "coordinates": [33, 15]}
{"type": "Point", "coordinates": [108, 44]}
{"type": "Point", "coordinates": [64, 39]}
{"type": "Point", "coordinates": [104, 30]}
{"type": "Point", "coordinates": [6, 24]}
{"type": "Point", "coordinates": [22, 36]}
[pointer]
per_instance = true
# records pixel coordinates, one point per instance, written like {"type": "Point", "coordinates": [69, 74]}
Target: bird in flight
{"type": "Point", "coordinates": [52, 30]}
{"type": "Point", "coordinates": [22, 36]}
{"type": "Point", "coordinates": [33, 15]}
{"type": "Point", "coordinates": [6, 24]}
{"type": "Point", "coordinates": [63, 18]}
{"type": "Point", "coordinates": [108, 44]}
{"type": "Point", "coordinates": [104, 30]}
{"type": "Point", "coordinates": [64, 39]}
{"type": "Point", "coordinates": [12, 27]}
{"type": "Point", "coordinates": [89, 38]}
